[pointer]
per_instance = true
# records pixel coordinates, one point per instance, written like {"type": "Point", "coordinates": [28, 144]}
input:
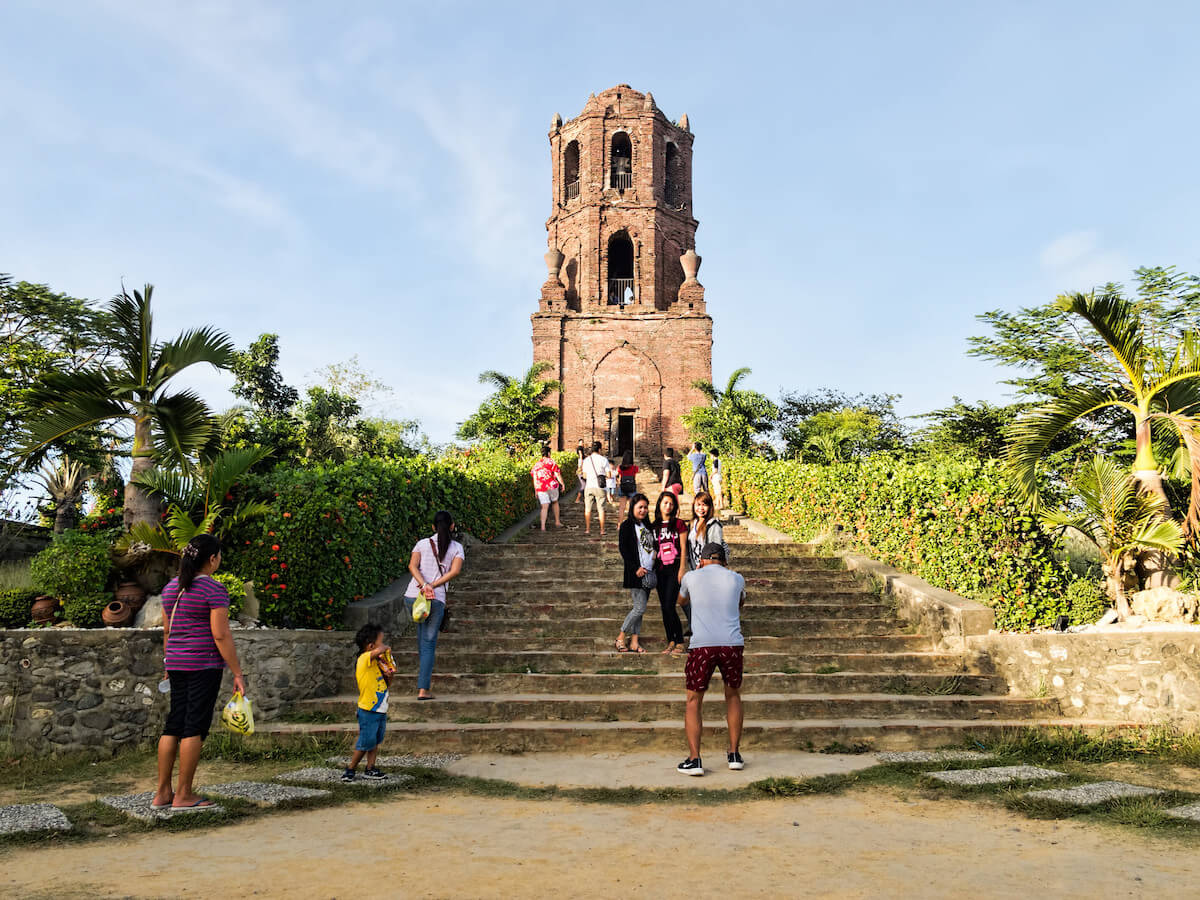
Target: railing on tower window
{"type": "Point", "coordinates": [573, 190]}
{"type": "Point", "coordinates": [622, 181]}
{"type": "Point", "coordinates": [620, 291]}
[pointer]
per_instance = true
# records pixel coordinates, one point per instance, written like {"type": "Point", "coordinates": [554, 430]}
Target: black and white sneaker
{"type": "Point", "coordinates": [348, 776]}
{"type": "Point", "coordinates": [736, 762]}
{"type": "Point", "coordinates": [374, 774]}
{"type": "Point", "coordinates": [690, 767]}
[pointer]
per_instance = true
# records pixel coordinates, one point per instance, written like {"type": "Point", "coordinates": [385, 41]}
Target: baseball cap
{"type": "Point", "coordinates": [713, 550]}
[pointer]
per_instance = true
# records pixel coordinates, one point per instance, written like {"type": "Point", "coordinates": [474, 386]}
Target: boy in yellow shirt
{"type": "Point", "coordinates": [373, 672]}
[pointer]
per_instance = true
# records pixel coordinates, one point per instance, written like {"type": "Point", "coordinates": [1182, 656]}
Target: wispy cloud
{"type": "Point", "coordinates": [1078, 261]}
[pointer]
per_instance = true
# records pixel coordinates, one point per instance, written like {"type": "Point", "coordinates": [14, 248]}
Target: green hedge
{"type": "Point", "coordinates": [952, 522]}
{"type": "Point", "coordinates": [340, 533]}
{"type": "Point", "coordinates": [16, 605]}
{"type": "Point", "coordinates": [75, 565]}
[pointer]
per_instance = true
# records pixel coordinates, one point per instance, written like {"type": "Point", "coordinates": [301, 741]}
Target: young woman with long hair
{"type": "Point", "coordinates": [706, 528]}
{"type": "Point", "coordinates": [435, 561]}
{"type": "Point", "coordinates": [670, 545]}
{"type": "Point", "coordinates": [636, 543]}
{"type": "Point", "coordinates": [627, 481]}
{"type": "Point", "coordinates": [197, 646]}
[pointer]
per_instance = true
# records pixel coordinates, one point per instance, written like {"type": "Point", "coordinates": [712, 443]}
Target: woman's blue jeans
{"type": "Point", "coordinates": [427, 635]}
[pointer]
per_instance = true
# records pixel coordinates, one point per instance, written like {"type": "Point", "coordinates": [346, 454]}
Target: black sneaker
{"type": "Point", "coordinates": [736, 762]}
{"type": "Point", "coordinates": [373, 774]}
{"type": "Point", "coordinates": [348, 776]}
{"type": "Point", "coordinates": [690, 767]}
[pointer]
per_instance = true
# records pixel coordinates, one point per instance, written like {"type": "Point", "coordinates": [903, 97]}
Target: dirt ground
{"type": "Point", "coordinates": [873, 843]}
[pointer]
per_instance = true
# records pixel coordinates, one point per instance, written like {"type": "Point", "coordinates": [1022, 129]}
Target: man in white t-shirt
{"type": "Point", "coordinates": [592, 468]}
{"type": "Point", "coordinates": [715, 596]}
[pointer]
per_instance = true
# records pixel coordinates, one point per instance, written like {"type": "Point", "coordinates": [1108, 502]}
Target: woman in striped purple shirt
{"type": "Point", "coordinates": [197, 647]}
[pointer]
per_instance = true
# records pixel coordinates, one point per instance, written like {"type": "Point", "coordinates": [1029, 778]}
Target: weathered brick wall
{"type": "Point", "coordinates": [643, 356]}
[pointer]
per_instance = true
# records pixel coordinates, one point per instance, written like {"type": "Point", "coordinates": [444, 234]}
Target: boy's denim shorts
{"type": "Point", "coordinates": [371, 726]}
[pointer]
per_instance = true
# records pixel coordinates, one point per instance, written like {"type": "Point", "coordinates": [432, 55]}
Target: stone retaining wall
{"type": "Point", "coordinates": [65, 689]}
{"type": "Point", "coordinates": [21, 541]}
{"type": "Point", "coordinates": [1144, 676]}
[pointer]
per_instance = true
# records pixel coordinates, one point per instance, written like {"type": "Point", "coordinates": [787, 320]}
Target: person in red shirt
{"type": "Point", "coordinates": [548, 483]}
{"type": "Point", "coordinates": [626, 481]}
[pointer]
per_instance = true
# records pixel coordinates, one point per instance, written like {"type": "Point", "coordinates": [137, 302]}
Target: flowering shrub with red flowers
{"type": "Point", "coordinates": [953, 522]}
{"type": "Point", "coordinates": [342, 532]}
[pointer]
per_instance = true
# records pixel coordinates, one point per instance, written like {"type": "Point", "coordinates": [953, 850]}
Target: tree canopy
{"type": "Point", "coordinates": [516, 412]}
{"type": "Point", "coordinates": [734, 420]}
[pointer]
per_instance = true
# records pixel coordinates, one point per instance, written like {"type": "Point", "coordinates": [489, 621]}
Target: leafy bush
{"type": "Point", "coordinates": [1086, 601]}
{"type": "Point", "coordinates": [15, 605]}
{"type": "Point", "coordinates": [84, 611]}
{"type": "Point", "coordinates": [951, 521]}
{"type": "Point", "coordinates": [235, 586]}
{"type": "Point", "coordinates": [339, 533]}
{"type": "Point", "coordinates": [75, 565]}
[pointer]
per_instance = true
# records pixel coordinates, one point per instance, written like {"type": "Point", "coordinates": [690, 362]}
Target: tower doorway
{"type": "Point", "coordinates": [624, 432]}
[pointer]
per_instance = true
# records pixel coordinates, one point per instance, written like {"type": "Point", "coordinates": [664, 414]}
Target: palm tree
{"type": "Point", "coordinates": [205, 493]}
{"type": "Point", "coordinates": [170, 426]}
{"type": "Point", "coordinates": [732, 417]}
{"type": "Point", "coordinates": [64, 483]}
{"type": "Point", "coordinates": [1120, 519]}
{"type": "Point", "coordinates": [516, 412]}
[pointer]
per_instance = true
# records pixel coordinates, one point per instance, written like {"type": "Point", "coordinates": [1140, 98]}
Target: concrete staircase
{"type": "Point", "coordinates": [530, 662]}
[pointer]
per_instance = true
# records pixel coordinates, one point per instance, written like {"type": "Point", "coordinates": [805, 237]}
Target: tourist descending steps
{"type": "Point", "coordinates": [699, 471]}
{"type": "Point", "coordinates": [594, 469]}
{"type": "Point", "coordinates": [636, 543]}
{"type": "Point", "coordinates": [670, 550]}
{"type": "Point", "coordinates": [547, 484]}
{"type": "Point", "coordinates": [716, 595]}
{"type": "Point", "coordinates": [435, 562]}
{"type": "Point", "coordinates": [626, 481]}
{"type": "Point", "coordinates": [672, 480]}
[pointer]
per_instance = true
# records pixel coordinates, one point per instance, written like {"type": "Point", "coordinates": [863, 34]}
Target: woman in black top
{"type": "Point", "coordinates": [672, 480]}
{"type": "Point", "coordinates": [636, 543]}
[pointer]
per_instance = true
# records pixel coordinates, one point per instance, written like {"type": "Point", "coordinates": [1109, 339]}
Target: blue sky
{"type": "Point", "coordinates": [375, 180]}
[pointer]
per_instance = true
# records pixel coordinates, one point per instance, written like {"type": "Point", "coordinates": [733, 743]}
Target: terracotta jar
{"type": "Point", "coordinates": [131, 594]}
{"type": "Point", "coordinates": [117, 614]}
{"type": "Point", "coordinates": [43, 608]}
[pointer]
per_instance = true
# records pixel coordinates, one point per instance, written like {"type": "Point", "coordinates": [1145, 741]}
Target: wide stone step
{"type": "Point", "coordinates": [602, 627]}
{"type": "Point", "coordinates": [499, 645]}
{"type": "Point", "coordinates": [642, 707]}
{"type": "Point", "coordinates": [764, 611]}
{"type": "Point", "coordinates": [576, 660]}
{"type": "Point", "coordinates": [612, 592]}
{"type": "Point", "coordinates": [667, 735]}
{"type": "Point", "coordinates": [584, 585]}
{"type": "Point", "coordinates": [650, 680]}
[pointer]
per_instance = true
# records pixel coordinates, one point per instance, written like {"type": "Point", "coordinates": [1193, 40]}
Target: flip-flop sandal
{"type": "Point", "coordinates": [166, 805]}
{"type": "Point", "coordinates": [201, 803]}
{"type": "Point", "coordinates": [426, 698]}
{"type": "Point", "coordinates": [637, 649]}
{"type": "Point", "coordinates": [621, 648]}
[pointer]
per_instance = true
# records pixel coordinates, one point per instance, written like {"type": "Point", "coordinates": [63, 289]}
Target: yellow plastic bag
{"type": "Point", "coordinates": [237, 715]}
{"type": "Point", "coordinates": [421, 608]}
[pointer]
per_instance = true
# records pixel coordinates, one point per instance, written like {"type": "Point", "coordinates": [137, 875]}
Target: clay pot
{"type": "Point", "coordinates": [43, 609]}
{"type": "Point", "coordinates": [131, 594]}
{"type": "Point", "coordinates": [117, 614]}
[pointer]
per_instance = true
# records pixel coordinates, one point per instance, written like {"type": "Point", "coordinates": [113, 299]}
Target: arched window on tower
{"type": "Point", "coordinates": [620, 270]}
{"type": "Point", "coordinates": [571, 171]}
{"type": "Point", "coordinates": [671, 177]}
{"type": "Point", "coordinates": [622, 162]}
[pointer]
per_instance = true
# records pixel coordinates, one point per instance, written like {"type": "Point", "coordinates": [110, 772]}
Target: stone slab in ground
{"type": "Point", "coordinates": [1094, 794]}
{"type": "Point", "coordinates": [32, 817]}
{"type": "Point", "coordinates": [932, 756]}
{"type": "Point", "coordinates": [427, 760]}
{"type": "Point", "coordinates": [138, 807]}
{"type": "Point", "coordinates": [1190, 812]}
{"type": "Point", "coordinates": [264, 793]}
{"type": "Point", "coordinates": [652, 770]}
{"type": "Point", "coordinates": [994, 775]}
{"type": "Point", "coordinates": [320, 775]}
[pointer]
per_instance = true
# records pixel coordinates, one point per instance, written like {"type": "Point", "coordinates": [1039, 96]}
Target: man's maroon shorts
{"type": "Point", "coordinates": [703, 660]}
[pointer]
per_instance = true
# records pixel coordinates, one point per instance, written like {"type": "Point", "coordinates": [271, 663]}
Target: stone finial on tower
{"type": "Point", "coordinates": [556, 122]}
{"type": "Point", "coordinates": [648, 103]}
{"type": "Point", "coordinates": [683, 123]}
{"type": "Point", "coordinates": [554, 295]}
{"type": "Point", "coordinates": [691, 292]}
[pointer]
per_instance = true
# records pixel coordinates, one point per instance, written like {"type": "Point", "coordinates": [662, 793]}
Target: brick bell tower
{"type": "Point", "coordinates": [622, 319]}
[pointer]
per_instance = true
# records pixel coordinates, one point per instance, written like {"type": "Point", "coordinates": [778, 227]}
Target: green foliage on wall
{"type": "Point", "coordinates": [84, 610]}
{"type": "Point", "coordinates": [235, 586]}
{"type": "Point", "coordinates": [339, 533]}
{"type": "Point", "coordinates": [75, 565]}
{"type": "Point", "coordinates": [953, 522]}
{"type": "Point", "coordinates": [15, 606]}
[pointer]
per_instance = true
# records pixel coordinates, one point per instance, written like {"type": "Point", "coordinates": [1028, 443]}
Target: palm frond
{"type": "Point", "coordinates": [1115, 319]}
{"type": "Point", "coordinates": [170, 484]}
{"type": "Point", "coordinates": [735, 377]}
{"type": "Point", "coordinates": [135, 328]}
{"type": "Point", "coordinates": [224, 470]}
{"type": "Point", "coordinates": [1029, 437]}
{"type": "Point", "coordinates": [198, 345]}
{"type": "Point", "coordinates": [61, 419]}
{"type": "Point", "coordinates": [708, 390]}
{"type": "Point", "coordinates": [499, 379]}
{"type": "Point", "coordinates": [183, 425]}
{"type": "Point", "coordinates": [153, 536]}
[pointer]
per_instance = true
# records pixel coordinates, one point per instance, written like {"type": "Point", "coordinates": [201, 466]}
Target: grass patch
{"type": "Point", "coordinates": [1049, 745]}
{"type": "Point", "coordinates": [627, 671]}
{"type": "Point", "coordinates": [14, 575]}
{"type": "Point", "coordinates": [799, 787]}
{"type": "Point", "coordinates": [315, 717]}
{"type": "Point", "coordinates": [472, 720]}
{"type": "Point", "coordinates": [828, 669]}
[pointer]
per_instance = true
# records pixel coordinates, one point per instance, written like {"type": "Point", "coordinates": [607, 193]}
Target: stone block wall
{"type": "Point", "coordinates": [1150, 677]}
{"type": "Point", "coordinates": [64, 690]}
{"type": "Point", "coordinates": [21, 541]}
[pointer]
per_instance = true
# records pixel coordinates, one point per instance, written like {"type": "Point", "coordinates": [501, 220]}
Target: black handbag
{"type": "Point", "coordinates": [601, 480]}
